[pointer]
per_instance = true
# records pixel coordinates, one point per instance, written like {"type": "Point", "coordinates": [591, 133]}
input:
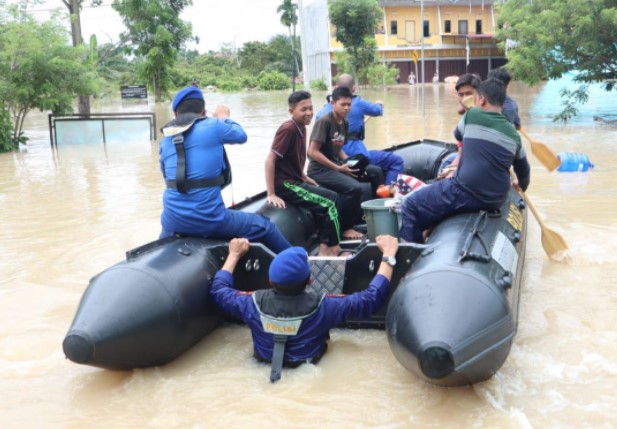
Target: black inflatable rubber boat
{"type": "Point", "coordinates": [450, 318]}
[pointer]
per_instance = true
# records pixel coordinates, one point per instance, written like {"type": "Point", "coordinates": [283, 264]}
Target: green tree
{"type": "Point", "coordinates": [281, 44]}
{"type": "Point", "coordinates": [272, 80]}
{"type": "Point", "coordinates": [355, 22]}
{"type": "Point", "coordinates": [39, 69]}
{"type": "Point", "coordinates": [380, 74]}
{"type": "Point", "coordinates": [74, 8]}
{"type": "Point", "coordinates": [254, 57]}
{"type": "Point", "coordinates": [548, 38]}
{"type": "Point", "coordinates": [156, 34]}
{"type": "Point", "coordinates": [289, 19]}
{"type": "Point", "coordinates": [112, 65]}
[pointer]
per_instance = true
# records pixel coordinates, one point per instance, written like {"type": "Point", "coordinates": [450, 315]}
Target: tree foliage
{"type": "Point", "coordinates": [380, 74]}
{"type": "Point", "coordinates": [272, 80]}
{"type": "Point", "coordinates": [156, 34]}
{"type": "Point", "coordinates": [233, 69]}
{"type": "Point", "coordinates": [548, 38]}
{"type": "Point", "coordinates": [39, 69]}
{"type": "Point", "coordinates": [355, 22]}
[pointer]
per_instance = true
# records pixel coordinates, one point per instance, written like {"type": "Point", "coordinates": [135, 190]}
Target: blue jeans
{"type": "Point", "coordinates": [432, 204]}
{"type": "Point", "coordinates": [254, 227]}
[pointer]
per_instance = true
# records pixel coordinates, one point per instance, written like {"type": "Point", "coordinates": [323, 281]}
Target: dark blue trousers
{"type": "Point", "coordinates": [254, 227]}
{"type": "Point", "coordinates": [391, 163]}
{"type": "Point", "coordinates": [430, 205]}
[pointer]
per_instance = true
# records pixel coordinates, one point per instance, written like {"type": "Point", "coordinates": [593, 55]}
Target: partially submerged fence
{"type": "Point", "coordinates": [102, 128]}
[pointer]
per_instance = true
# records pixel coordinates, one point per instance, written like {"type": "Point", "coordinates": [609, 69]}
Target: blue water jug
{"type": "Point", "coordinates": [574, 161]}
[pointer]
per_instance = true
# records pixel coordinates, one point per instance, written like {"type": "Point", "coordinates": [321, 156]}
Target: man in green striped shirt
{"type": "Point", "coordinates": [490, 147]}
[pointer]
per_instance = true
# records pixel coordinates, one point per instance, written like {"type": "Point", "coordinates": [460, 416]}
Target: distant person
{"type": "Point", "coordinates": [398, 79]}
{"type": "Point", "coordinates": [193, 164]}
{"type": "Point", "coordinates": [411, 79]}
{"type": "Point", "coordinates": [390, 163]}
{"type": "Point", "coordinates": [466, 86]}
{"type": "Point", "coordinates": [194, 82]}
{"type": "Point", "coordinates": [286, 181]}
{"type": "Point", "coordinates": [510, 108]}
{"type": "Point", "coordinates": [491, 146]}
{"type": "Point", "coordinates": [327, 164]}
{"type": "Point", "coordinates": [290, 325]}
{"type": "Point", "coordinates": [436, 78]}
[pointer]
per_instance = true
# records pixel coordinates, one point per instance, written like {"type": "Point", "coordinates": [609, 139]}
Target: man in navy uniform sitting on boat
{"type": "Point", "coordinates": [194, 165]}
{"type": "Point", "coordinates": [289, 324]}
{"type": "Point", "coordinates": [510, 107]}
{"type": "Point", "coordinates": [490, 147]}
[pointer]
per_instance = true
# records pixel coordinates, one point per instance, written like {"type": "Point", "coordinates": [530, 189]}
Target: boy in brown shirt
{"type": "Point", "coordinates": [286, 181]}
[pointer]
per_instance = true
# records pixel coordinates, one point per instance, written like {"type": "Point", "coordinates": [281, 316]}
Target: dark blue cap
{"type": "Point", "coordinates": [188, 93]}
{"type": "Point", "coordinates": [290, 267]}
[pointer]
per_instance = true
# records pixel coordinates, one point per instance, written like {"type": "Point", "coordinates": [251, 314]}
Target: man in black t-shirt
{"type": "Point", "coordinates": [327, 166]}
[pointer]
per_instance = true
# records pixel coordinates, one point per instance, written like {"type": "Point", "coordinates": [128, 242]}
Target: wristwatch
{"type": "Point", "coordinates": [390, 260]}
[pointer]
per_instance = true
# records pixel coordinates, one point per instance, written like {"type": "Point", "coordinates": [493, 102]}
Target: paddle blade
{"type": "Point", "coordinates": [554, 245]}
{"type": "Point", "coordinates": [542, 152]}
{"type": "Point", "coordinates": [544, 155]}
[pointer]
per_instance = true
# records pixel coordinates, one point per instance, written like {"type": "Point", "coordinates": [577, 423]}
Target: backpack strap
{"type": "Point", "coordinates": [180, 182]}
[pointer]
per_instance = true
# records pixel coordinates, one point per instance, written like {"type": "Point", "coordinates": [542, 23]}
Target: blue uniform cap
{"type": "Point", "coordinates": [188, 93]}
{"type": "Point", "coordinates": [290, 267]}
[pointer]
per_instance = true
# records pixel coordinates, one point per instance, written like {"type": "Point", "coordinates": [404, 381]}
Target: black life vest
{"type": "Point", "coordinates": [176, 130]}
{"type": "Point", "coordinates": [282, 315]}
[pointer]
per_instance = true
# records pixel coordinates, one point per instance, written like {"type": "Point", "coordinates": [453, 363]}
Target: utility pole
{"type": "Point", "coordinates": [423, 77]}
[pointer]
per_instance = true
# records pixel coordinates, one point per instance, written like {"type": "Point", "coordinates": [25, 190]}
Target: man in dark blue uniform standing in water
{"type": "Point", "coordinates": [290, 325]}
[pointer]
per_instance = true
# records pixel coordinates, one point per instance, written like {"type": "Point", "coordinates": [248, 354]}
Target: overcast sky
{"type": "Point", "coordinates": [214, 21]}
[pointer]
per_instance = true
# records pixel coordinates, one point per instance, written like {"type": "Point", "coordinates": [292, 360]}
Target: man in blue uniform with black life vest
{"type": "Point", "coordinates": [195, 168]}
{"type": "Point", "coordinates": [390, 163]}
{"type": "Point", "coordinates": [289, 324]}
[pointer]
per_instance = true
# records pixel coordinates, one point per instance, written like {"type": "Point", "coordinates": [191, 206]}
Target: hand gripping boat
{"type": "Point", "coordinates": [450, 318]}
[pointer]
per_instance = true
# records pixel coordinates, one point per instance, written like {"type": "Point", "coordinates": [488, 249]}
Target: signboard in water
{"type": "Point", "coordinates": [133, 92]}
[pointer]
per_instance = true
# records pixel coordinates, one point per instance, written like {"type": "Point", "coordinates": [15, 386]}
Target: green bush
{"type": "Point", "coordinates": [6, 132]}
{"type": "Point", "coordinates": [229, 85]}
{"type": "Point", "coordinates": [272, 80]}
{"type": "Point", "coordinates": [319, 85]}
{"type": "Point", "coordinates": [381, 75]}
{"type": "Point", "coordinates": [249, 81]}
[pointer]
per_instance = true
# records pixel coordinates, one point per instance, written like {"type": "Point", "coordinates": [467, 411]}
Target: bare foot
{"type": "Point", "coordinates": [352, 234]}
{"type": "Point", "coordinates": [325, 250]}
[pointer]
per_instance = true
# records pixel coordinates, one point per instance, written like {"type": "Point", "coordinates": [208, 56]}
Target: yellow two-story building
{"type": "Point", "coordinates": [451, 38]}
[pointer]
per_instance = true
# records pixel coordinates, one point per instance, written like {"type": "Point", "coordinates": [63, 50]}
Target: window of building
{"type": "Point", "coordinates": [447, 26]}
{"type": "Point", "coordinates": [393, 27]}
{"type": "Point", "coordinates": [478, 26]}
{"type": "Point", "coordinates": [427, 32]}
{"type": "Point", "coordinates": [463, 26]}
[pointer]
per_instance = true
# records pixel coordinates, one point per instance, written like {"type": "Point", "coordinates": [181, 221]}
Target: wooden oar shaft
{"type": "Point", "coordinates": [526, 135]}
{"type": "Point", "coordinates": [533, 210]}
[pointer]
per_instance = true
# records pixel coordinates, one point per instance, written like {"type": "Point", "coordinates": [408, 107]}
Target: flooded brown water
{"type": "Point", "coordinates": [68, 214]}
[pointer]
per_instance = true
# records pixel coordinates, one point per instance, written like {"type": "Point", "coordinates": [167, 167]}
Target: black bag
{"type": "Point", "coordinates": [358, 162]}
